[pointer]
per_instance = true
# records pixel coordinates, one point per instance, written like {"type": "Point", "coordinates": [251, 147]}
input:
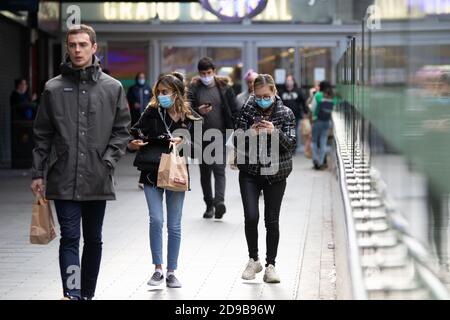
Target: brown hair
{"type": "Point", "coordinates": [175, 82]}
{"type": "Point", "coordinates": [265, 80]}
{"type": "Point", "coordinates": [82, 28]}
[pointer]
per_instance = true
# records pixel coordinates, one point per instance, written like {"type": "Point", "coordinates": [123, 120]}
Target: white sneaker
{"type": "Point", "coordinates": [252, 268]}
{"type": "Point", "coordinates": [271, 276]}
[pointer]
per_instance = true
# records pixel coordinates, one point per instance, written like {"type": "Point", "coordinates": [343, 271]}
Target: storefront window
{"type": "Point", "coordinates": [315, 65]}
{"type": "Point", "coordinates": [180, 59]}
{"type": "Point", "coordinates": [229, 64]}
{"type": "Point", "coordinates": [277, 62]}
{"type": "Point", "coordinates": [125, 60]}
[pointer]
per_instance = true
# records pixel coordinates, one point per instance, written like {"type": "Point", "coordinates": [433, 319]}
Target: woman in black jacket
{"type": "Point", "coordinates": [264, 118]}
{"type": "Point", "coordinates": [167, 120]}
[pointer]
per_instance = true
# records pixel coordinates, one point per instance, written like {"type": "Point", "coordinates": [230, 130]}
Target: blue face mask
{"type": "Point", "coordinates": [141, 82]}
{"type": "Point", "coordinates": [264, 104]}
{"type": "Point", "coordinates": [165, 101]}
{"type": "Point", "coordinates": [207, 80]}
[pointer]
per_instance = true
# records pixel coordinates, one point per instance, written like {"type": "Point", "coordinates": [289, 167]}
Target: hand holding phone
{"type": "Point", "coordinates": [205, 108]}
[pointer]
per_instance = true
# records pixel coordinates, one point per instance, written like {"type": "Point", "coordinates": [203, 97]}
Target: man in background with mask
{"type": "Point", "coordinates": [213, 98]}
{"type": "Point", "coordinates": [138, 97]}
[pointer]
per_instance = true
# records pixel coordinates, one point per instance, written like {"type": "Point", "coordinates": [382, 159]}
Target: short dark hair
{"type": "Point", "coordinates": [82, 28]}
{"type": "Point", "coordinates": [206, 63]}
{"type": "Point", "coordinates": [326, 88]}
{"type": "Point", "coordinates": [18, 81]}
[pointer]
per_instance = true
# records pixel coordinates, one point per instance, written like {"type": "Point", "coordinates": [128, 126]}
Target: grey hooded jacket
{"type": "Point", "coordinates": [81, 130]}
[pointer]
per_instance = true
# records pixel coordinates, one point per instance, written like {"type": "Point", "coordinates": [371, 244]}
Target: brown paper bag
{"type": "Point", "coordinates": [308, 147]}
{"type": "Point", "coordinates": [305, 127]}
{"type": "Point", "coordinates": [42, 229]}
{"type": "Point", "coordinates": [172, 171]}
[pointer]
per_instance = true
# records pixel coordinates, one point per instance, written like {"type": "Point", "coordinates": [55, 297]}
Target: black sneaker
{"type": "Point", "coordinates": [316, 165]}
{"type": "Point", "coordinates": [209, 213]}
{"type": "Point", "coordinates": [220, 210]}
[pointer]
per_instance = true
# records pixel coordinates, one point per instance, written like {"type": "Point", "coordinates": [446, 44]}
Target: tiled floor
{"type": "Point", "coordinates": [213, 253]}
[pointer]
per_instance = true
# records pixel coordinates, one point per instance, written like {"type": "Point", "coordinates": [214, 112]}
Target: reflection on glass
{"type": "Point", "coordinates": [180, 59]}
{"type": "Point", "coordinates": [126, 60]}
{"type": "Point", "coordinates": [315, 65]}
{"type": "Point", "coordinates": [229, 64]}
{"type": "Point", "coordinates": [271, 59]}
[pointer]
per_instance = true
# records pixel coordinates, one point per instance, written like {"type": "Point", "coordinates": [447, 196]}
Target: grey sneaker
{"type": "Point", "coordinates": [173, 282]}
{"type": "Point", "coordinates": [156, 279]}
{"type": "Point", "coordinates": [252, 268]}
{"type": "Point", "coordinates": [271, 276]}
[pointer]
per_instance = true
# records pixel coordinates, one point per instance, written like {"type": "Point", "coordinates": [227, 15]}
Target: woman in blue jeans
{"type": "Point", "coordinates": [167, 120]}
{"type": "Point", "coordinates": [322, 107]}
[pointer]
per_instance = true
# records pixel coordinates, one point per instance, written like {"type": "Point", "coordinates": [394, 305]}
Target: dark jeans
{"type": "Point", "coordinates": [206, 170]}
{"type": "Point", "coordinates": [218, 169]}
{"type": "Point", "coordinates": [80, 283]}
{"type": "Point", "coordinates": [251, 187]}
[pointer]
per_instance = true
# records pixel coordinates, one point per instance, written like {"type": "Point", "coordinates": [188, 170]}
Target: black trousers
{"type": "Point", "coordinates": [218, 170]}
{"type": "Point", "coordinates": [251, 187]}
{"type": "Point", "coordinates": [80, 281]}
{"type": "Point", "coordinates": [206, 171]}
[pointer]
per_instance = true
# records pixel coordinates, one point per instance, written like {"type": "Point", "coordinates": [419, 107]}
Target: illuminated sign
{"type": "Point", "coordinates": [405, 9]}
{"type": "Point", "coordinates": [229, 11]}
{"type": "Point", "coordinates": [234, 10]}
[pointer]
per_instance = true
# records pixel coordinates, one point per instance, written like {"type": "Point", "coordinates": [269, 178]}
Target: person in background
{"type": "Point", "coordinates": [322, 108]}
{"type": "Point", "coordinates": [241, 98]}
{"type": "Point", "coordinates": [22, 105]}
{"type": "Point", "coordinates": [214, 99]}
{"type": "Point", "coordinates": [294, 99]}
{"type": "Point", "coordinates": [138, 96]}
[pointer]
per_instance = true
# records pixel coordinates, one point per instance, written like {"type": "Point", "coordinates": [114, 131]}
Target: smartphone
{"type": "Point", "coordinates": [257, 119]}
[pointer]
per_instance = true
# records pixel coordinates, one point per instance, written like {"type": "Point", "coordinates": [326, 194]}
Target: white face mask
{"type": "Point", "coordinates": [207, 80]}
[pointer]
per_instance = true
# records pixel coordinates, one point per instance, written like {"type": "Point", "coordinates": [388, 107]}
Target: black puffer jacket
{"type": "Point", "coordinates": [283, 120]}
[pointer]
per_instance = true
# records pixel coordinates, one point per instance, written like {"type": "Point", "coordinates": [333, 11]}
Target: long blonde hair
{"type": "Point", "coordinates": [175, 82]}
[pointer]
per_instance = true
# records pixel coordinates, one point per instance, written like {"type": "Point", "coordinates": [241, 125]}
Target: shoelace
{"type": "Point", "coordinates": [156, 276]}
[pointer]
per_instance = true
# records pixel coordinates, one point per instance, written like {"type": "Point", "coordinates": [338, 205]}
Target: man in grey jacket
{"type": "Point", "coordinates": [81, 130]}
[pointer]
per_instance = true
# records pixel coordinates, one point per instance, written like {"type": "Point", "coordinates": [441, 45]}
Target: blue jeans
{"type": "Point", "coordinates": [319, 140]}
{"type": "Point", "coordinates": [174, 204]}
{"type": "Point", "coordinates": [80, 282]}
{"type": "Point", "coordinates": [298, 127]}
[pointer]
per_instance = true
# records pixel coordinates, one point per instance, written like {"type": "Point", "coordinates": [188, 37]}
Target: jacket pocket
{"type": "Point", "coordinates": [56, 153]}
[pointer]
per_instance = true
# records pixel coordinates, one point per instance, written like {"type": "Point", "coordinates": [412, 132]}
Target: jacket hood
{"type": "Point", "coordinates": [90, 73]}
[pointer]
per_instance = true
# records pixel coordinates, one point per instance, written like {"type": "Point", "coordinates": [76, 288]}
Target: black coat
{"type": "Point", "coordinates": [295, 101]}
{"type": "Point", "coordinates": [81, 131]}
{"type": "Point", "coordinates": [153, 130]}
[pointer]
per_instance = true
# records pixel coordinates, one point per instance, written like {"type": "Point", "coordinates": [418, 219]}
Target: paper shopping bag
{"type": "Point", "coordinates": [42, 229]}
{"type": "Point", "coordinates": [172, 171]}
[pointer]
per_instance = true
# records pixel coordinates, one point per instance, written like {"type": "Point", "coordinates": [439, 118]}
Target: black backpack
{"type": "Point", "coordinates": [325, 110]}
